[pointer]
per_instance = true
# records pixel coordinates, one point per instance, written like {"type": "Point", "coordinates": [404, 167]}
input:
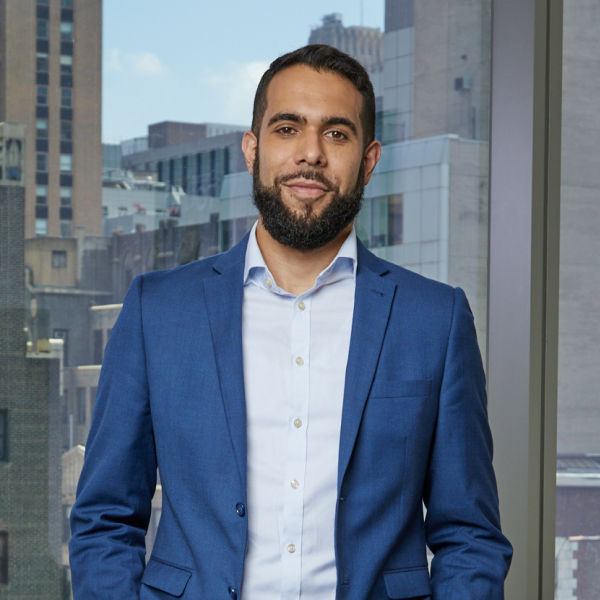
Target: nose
{"type": "Point", "coordinates": [310, 150]}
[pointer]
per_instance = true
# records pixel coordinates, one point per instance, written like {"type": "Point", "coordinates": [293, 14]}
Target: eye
{"type": "Point", "coordinates": [337, 135]}
{"type": "Point", "coordinates": [286, 130]}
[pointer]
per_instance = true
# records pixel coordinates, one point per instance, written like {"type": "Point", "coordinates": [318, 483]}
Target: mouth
{"type": "Point", "coordinates": [306, 188]}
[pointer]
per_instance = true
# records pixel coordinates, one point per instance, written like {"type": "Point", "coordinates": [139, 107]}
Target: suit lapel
{"type": "Point", "coordinates": [372, 306]}
{"type": "Point", "coordinates": [224, 295]}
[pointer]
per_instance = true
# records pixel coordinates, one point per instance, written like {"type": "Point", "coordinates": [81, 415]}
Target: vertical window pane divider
{"type": "Point", "coordinates": [523, 286]}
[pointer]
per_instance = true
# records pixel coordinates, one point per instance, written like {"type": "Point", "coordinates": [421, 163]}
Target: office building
{"type": "Point", "coordinates": [50, 80]}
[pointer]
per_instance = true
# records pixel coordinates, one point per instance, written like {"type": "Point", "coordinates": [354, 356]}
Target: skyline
{"type": "Point", "coordinates": [198, 65]}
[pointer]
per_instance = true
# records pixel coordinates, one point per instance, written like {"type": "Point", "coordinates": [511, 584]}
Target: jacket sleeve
{"type": "Point", "coordinates": [111, 513]}
{"type": "Point", "coordinates": [471, 555]}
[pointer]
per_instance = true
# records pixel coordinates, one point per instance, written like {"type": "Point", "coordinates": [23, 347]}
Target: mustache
{"type": "Point", "coordinates": [309, 176]}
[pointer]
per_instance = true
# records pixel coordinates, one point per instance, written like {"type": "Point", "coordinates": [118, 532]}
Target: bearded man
{"type": "Point", "coordinates": [301, 397]}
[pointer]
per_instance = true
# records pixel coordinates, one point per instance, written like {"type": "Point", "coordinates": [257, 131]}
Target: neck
{"type": "Point", "coordinates": [295, 271]}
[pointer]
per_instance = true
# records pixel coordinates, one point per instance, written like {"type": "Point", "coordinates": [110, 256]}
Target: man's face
{"type": "Point", "coordinates": [311, 166]}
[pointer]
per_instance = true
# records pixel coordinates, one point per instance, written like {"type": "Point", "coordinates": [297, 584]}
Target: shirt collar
{"type": "Point", "coordinates": [346, 258]}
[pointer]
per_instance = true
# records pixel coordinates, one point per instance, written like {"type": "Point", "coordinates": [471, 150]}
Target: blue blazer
{"type": "Point", "coordinates": [414, 429]}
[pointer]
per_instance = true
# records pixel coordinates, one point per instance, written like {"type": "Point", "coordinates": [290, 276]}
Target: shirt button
{"type": "Point", "coordinates": [299, 361]}
{"type": "Point", "coordinates": [232, 593]}
{"type": "Point", "coordinates": [291, 548]}
{"type": "Point", "coordinates": [297, 423]}
{"type": "Point", "coordinates": [240, 509]}
{"type": "Point", "coordinates": [301, 305]}
{"type": "Point", "coordinates": [295, 484]}
{"type": "Point", "coordinates": [268, 282]}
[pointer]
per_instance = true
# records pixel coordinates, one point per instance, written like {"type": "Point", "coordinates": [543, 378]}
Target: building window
{"type": "Point", "coordinates": [42, 94]}
{"type": "Point", "coordinates": [66, 97]}
{"type": "Point", "coordinates": [66, 163]}
{"type": "Point", "coordinates": [105, 211]}
{"type": "Point", "coordinates": [41, 128]}
{"type": "Point", "coordinates": [98, 347]}
{"type": "Point", "coordinates": [81, 408]}
{"type": "Point", "coordinates": [66, 32]}
{"type": "Point", "coordinates": [41, 194]}
{"type": "Point", "coordinates": [43, 2]}
{"type": "Point", "coordinates": [59, 259]}
{"type": "Point", "coordinates": [42, 29]}
{"type": "Point", "coordinates": [4, 557]}
{"type": "Point", "coordinates": [41, 162]}
{"type": "Point", "coordinates": [67, 3]}
{"type": "Point", "coordinates": [395, 219]}
{"type": "Point", "coordinates": [66, 130]}
{"type": "Point", "coordinates": [65, 196]}
{"type": "Point", "coordinates": [41, 62]}
{"type": "Point", "coordinates": [41, 227]}
{"type": "Point", "coordinates": [66, 64]}
{"type": "Point", "coordinates": [3, 435]}
{"type": "Point", "coordinates": [65, 229]}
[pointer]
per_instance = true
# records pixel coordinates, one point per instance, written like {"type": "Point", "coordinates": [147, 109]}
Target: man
{"type": "Point", "coordinates": [300, 397]}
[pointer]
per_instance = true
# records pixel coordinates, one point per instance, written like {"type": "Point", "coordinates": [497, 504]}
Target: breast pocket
{"type": "Point", "coordinates": [401, 388]}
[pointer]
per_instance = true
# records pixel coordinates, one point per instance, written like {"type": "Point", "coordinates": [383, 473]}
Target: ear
{"type": "Point", "coordinates": [249, 148]}
{"type": "Point", "coordinates": [371, 158]}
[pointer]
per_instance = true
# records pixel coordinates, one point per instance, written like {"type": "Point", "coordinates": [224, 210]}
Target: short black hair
{"type": "Point", "coordinates": [321, 57]}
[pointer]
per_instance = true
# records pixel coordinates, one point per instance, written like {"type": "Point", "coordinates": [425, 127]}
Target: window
{"type": "Point", "coordinates": [41, 227]}
{"type": "Point", "coordinates": [59, 259]}
{"type": "Point", "coordinates": [395, 208]}
{"type": "Point", "coordinates": [41, 128]}
{"type": "Point", "coordinates": [3, 557]}
{"type": "Point", "coordinates": [42, 94]}
{"type": "Point", "coordinates": [98, 347]}
{"type": "Point", "coordinates": [66, 64]}
{"type": "Point", "coordinates": [66, 97]}
{"type": "Point", "coordinates": [42, 29]}
{"type": "Point", "coordinates": [3, 435]}
{"type": "Point", "coordinates": [43, 2]}
{"type": "Point", "coordinates": [65, 229]}
{"type": "Point", "coordinates": [41, 162]}
{"type": "Point", "coordinates": [66, 163]}
{"type": "Point", "coordinates": [66, 32]}
{"type": "Point", "coordinates": [66, 130]}
{"type": "Point", "coordinates": [81, 408]}
{"type": "Point", "coordinates": [41, 194]}
{"type": "Point", "coordinates": [67, 3]}
{"type": "Point", "coordinates": [65, 196]}
{"type": "Point", "coordinates": [41, 63]}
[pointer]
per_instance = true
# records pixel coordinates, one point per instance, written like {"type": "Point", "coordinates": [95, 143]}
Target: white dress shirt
{"type": "Point", "coordinates": [295, 354]}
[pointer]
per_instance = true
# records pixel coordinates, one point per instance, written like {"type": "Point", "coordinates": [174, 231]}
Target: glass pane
{"type": "Point", "coordinates": [177, 98]}
{"type": "Point", "coordinates": [578, 466]}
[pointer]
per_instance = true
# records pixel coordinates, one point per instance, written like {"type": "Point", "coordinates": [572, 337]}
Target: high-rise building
{"type": "Point", "coordinates": [363, 43]}
{"type": "Point", "coordinates": [52, 84]}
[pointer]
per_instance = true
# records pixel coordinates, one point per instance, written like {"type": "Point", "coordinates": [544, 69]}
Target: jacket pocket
{"type": "Point", "coordinates": [165, 577]}
{"type": "Point", "coordinates": [412, 583]}
{"type": "Point", "coordinates": [401, 388]}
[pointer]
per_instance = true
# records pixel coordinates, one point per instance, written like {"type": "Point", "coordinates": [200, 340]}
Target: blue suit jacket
{"type": "Point", "coordinates": [414, 429]}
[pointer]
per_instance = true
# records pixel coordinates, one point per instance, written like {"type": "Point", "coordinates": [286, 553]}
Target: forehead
{"type": "Point", "coordinates": [312, 94]}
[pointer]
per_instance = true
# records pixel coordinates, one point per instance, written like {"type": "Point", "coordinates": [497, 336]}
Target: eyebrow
{"type": "Point", "coordinates": [294, 118]}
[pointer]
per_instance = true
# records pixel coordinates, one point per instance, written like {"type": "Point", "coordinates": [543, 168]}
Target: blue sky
{"type": "Point", "coordinates": [195, 60]}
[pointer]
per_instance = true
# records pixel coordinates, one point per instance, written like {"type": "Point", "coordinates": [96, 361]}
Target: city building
{"type": "Point", "coordinates": [30, 398]}
{"type": "Point", "coordinates": [50, 74]}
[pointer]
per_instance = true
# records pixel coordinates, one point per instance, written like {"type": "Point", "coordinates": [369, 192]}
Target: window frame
{"type": "Point", "coordinates": [59, 259]}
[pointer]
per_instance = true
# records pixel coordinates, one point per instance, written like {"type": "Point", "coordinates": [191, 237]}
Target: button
{"type": "Point", "coordinates": [295, 484]}
{"type": "Point", "coordinates": [232, 593]}
{"type": "Point", "coordinates": [268, 282]}
{"type": "Point", "coordinates": [301, 305]}
{"type": "Point", "coordinates": [299, 361]}
{"type": "Point", "coordinates": [291, 548]}
{"type": "Point", "coordinates": [240, 509]}
{"type": "Point", "coordinates": [297, 423]}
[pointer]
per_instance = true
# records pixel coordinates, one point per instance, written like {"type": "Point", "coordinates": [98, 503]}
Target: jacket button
{"type": "Point", "coordinates": [232, 593]}
{"type": "Point", "coordinates": [240, 509]}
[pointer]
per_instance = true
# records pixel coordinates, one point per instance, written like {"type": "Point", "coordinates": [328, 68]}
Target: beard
{"type": "Point", "coordinates": [305, 230]}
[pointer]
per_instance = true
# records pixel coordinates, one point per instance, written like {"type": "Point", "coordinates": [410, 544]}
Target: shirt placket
{"type": "Point", "coordinates": [291, 550]}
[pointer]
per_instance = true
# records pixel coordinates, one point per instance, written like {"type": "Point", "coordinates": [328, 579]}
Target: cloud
{"type": "Point", "coordinates": [136, 63]}
{"type": "Point", "coordinates": [234, 88]}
